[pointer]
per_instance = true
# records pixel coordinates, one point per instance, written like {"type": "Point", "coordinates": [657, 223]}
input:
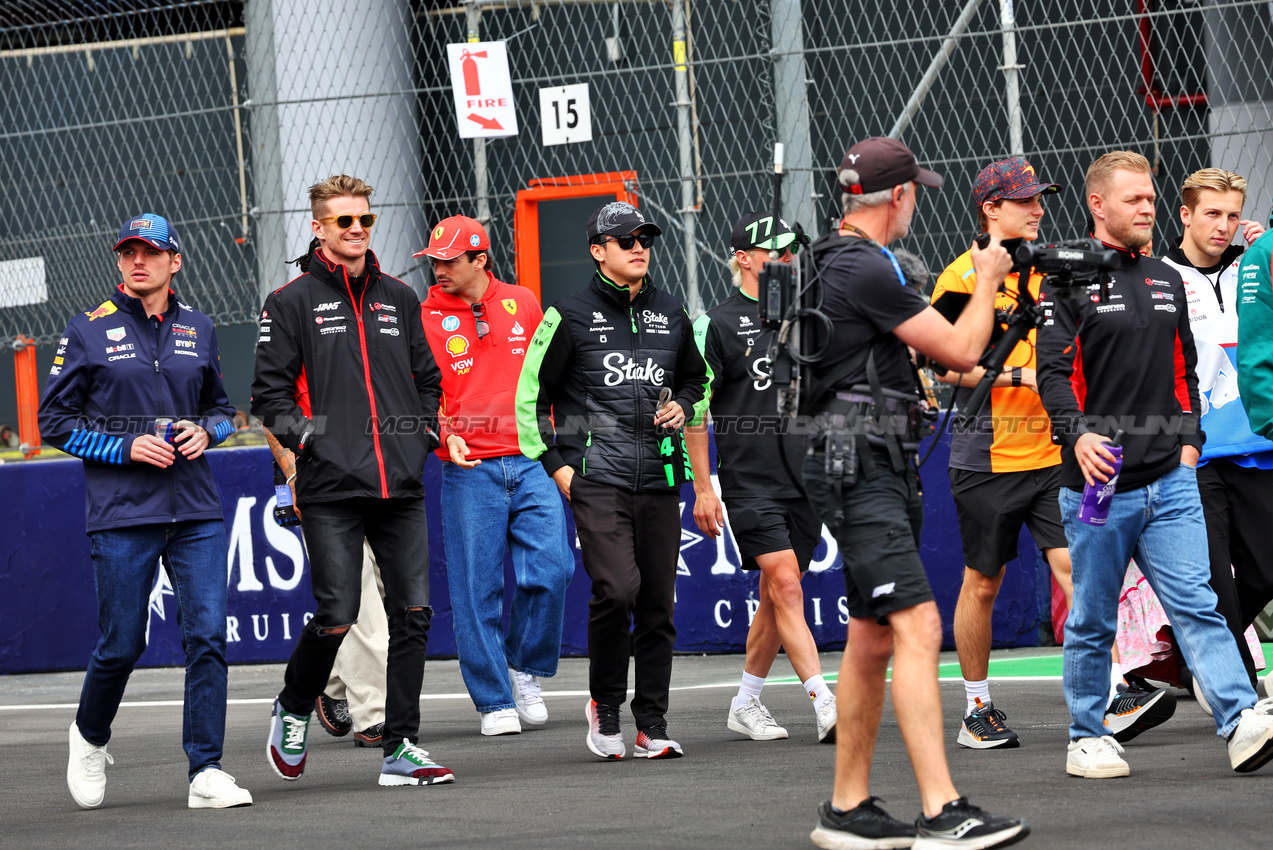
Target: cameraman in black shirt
{"type": "Point", "coordinates": [867, 493]}
{"type": "Point", "coordinates": [773, 524]}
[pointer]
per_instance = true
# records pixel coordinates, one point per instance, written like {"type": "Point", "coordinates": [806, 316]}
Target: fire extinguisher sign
{"type": "Point", "coordinates": [483, 89]}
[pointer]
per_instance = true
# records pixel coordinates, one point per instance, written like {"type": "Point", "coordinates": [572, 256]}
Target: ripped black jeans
{"type": "Point", "coordinates": [396, 531]}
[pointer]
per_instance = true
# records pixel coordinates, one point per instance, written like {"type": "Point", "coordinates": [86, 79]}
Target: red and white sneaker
{"type": "Point", "coordinates": [653, 743]}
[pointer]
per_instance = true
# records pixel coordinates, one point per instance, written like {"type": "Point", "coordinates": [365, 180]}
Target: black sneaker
{"type": "Point", "coordinates": [1138, 708]}
{"type": "Point", "coordinates": [961, 824]}
{"type": "Point", "coordinates": [334, 715]}
{"type": "Point", "coordinates": [370, 737]}
{"type": "Point", "coordinates": [865, 825]}
{"type": "Point", "coordinates": [985, 729]}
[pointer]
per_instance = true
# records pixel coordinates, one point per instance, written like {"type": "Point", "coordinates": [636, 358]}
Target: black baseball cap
{"type": "Point", "coordinates": [618, 218]}
{"type": "Point", "coordinates": [761, 230]}
{"type": "Point", "coordinates": [879, 163]}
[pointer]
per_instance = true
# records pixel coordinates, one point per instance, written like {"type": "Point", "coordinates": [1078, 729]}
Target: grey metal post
{"type": "Point", "coordinates": [1240, 118]}
{"type": "Point", "coordinates": [481, 185]}
{"type": "Point", "coordinates": [269, 237]}
{"type": "Point", "coordinates": [791, 103]}
{"type": "Point", "coordinates": [1011, 73]}
{"type": "Point", "coordinates": [322, 118]}
{"type": "Point", "coordinates": [684, 132]}
{"type": "Point", "coordinates": [934, 68]}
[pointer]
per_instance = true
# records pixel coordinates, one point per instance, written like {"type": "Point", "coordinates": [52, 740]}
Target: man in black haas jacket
{"type": "Point", "coordinates": [346, 381]}
{"type": "Point", "coordinates": [1127, 363]}
{"type": "Point", "coordinates": [140, 357]}
{"type": "Point", "coordinates": [591, 409]}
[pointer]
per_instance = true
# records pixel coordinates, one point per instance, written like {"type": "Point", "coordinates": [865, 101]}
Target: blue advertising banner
{"type": "Point", "coordinates": [48, 604]}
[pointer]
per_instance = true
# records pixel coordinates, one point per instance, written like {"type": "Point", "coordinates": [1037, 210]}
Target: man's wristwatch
{"type": "Point", "coordinates": [1016, 376]}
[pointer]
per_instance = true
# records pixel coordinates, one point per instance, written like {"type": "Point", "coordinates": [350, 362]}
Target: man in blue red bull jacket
{"type": "Point", "coordinates": [139, 356]}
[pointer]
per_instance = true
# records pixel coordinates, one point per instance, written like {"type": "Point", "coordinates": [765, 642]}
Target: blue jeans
{"type": "Point", "coordinates": [1162, 526]}
{"type": "Point", "coordinates": [504, 503]}
{"type": "Point", "coordinates": [124, 559]}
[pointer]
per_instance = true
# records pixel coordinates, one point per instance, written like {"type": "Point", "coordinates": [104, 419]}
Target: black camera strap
{"type": "Point", "coordinates": [892, 439]}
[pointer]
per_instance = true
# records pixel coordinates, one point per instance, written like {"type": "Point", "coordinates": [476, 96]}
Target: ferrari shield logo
{"type": "Point", "coordinates": [510, 305]}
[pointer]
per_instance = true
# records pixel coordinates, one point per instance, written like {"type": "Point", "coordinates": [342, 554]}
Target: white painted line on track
{"type": "Point", "coordinates": [464, 696]}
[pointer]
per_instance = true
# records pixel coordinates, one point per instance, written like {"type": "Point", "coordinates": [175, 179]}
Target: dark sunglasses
{"type": "Point", "coordinates": [344, 222]}
{"type": "Point", "coordinates": [479, 316]}
{"type": "Point", "coordinates": [625, 243]}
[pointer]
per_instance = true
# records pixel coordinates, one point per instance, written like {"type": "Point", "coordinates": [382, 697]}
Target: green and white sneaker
{"type": "Point", "coordinates": [410, 765]}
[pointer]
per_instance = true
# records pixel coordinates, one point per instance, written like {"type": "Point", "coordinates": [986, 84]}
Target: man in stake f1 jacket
{"type": "Point", "coordinates": [600, 362]}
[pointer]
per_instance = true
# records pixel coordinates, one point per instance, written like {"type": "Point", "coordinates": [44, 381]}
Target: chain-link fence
{"type": "Point", "coordinates": [219, 115]}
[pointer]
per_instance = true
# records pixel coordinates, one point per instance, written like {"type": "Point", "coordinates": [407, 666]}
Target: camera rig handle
{"type": "Point", "coordinates": [1025, 317]}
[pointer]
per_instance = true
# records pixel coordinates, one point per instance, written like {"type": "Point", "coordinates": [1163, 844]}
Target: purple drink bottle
{"type": "Point", "coordinates": [1094, 507]}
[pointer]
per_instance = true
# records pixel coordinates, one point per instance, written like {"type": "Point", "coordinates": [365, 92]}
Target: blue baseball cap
{"type": "Point", "coordinates": [152, 229]}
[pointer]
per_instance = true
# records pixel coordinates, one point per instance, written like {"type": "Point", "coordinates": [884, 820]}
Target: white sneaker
{"type": "Point", "coordinates": [1251, 744]}
{"type": "Point", "coordinates": [826, 722]}
{"type": "Point", "coordinates": [86, 770]}
{"type": "Point", "coordinates": [755, 721]}
{"type": "Point", "coordinates": [529, 700]}
{"type": "Point", "coordinates": [502, 722]}
{"type": "Point", "coordinates": [1096, 758]}
{"type": "Point", "coordinates": [215, 789]}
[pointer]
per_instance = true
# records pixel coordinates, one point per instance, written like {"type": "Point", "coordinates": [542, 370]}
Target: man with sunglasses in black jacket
{"type": "Point", "coordinates": [346, 381]}
{"type": "Point", "coordinates": [611, 375]}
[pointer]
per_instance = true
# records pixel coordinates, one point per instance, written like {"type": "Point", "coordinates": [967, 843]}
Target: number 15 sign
{"type": "Point", "coordinates": [565, 115]}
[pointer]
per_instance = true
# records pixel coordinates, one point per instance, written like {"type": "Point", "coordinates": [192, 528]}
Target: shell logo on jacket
{"type": "Point", "coordinates": [479, 389]}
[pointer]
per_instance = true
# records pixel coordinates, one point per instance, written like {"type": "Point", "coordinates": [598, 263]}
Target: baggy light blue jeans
{"type": "Point", "coordinates": [1161, 525]}
{"type": "Point", "coordinates": [505, 503]}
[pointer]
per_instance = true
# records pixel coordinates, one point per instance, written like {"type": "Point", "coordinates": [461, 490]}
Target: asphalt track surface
{"type": "Point", "coordinates": [544, 789]}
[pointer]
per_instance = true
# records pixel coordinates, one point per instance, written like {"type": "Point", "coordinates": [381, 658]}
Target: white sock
{"type": "Point", "coordinates": [1115, 679]}
{"type": "Point", "coordinates": [750, 687]}
{"type": "Point", "coordinates": [974, 691]}
{"type": "Point", "coordinates": [818, 691]}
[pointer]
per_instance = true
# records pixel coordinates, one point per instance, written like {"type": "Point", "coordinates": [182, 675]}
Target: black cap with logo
{"type": "Point", "coordinates": [879, 163]}
{"type": "Point", "coordinates": [761, 230]}
{"type": "Point", "coordinates": [618, 218]}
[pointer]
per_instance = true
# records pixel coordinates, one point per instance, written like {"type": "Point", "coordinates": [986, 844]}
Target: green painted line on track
{"type": "Point", "coordinates": [1035, 666]}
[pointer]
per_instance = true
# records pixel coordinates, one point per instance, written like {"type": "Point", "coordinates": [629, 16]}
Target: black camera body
{"type": "Point", "coordinates": [1071, 268]}
{"type": "Point", "coordinates": [1070, 265]}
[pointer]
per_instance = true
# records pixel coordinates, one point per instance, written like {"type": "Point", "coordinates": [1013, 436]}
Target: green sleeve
{"type": "Point", "coordinates": [1255, 335]}
{"type": "Point", "coordinates": [542, 369]}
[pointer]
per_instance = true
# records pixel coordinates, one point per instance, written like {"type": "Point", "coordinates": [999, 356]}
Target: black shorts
{"type": "Point", "coordinates": [879, 538]}
{"type": "Point", "coordinates": [761, 526]}
{"type": "Point", "coordinates": [992, 506]}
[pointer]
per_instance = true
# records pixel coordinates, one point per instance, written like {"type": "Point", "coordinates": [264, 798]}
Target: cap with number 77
{"type": "Point", "coordinates": [761, 230]}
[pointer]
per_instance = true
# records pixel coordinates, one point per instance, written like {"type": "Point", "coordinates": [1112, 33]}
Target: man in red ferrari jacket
{"type": "Point", "coordinates": [494, 498]}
